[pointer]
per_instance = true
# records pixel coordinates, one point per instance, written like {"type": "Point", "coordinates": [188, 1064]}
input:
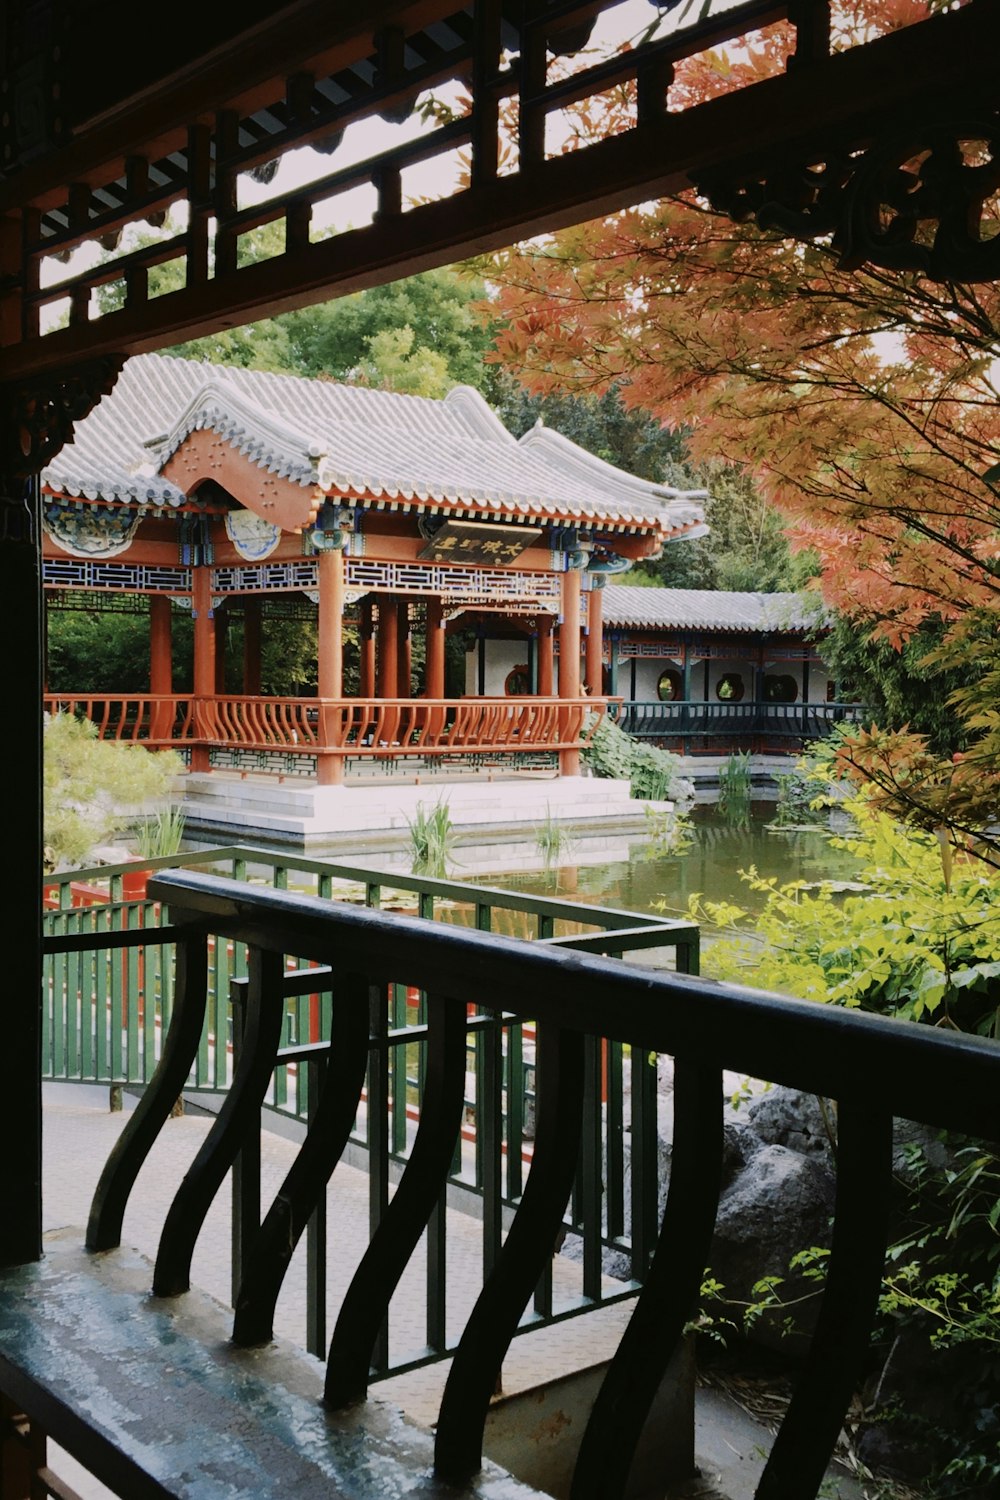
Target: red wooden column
{"type": "Point", "coordinates": [160, 665]}
{"type": "Point", "coordinates": [366, 643]}
{"type": "Point", "coordinates": [204, 661]}
{"type": "Point", "coordinates": [221, 633]}
{"type": "Point", "coordinates": [252, 638]}
{"type": "Point", "coordinates": [434, 676]}
{"type": "Point", "coordinates": [330, 675]}
{"type": "Point", "coordinates": [546, 657]}
{"type": "Point", "coordinates": [569, 657]}
{"type": "Point", "coordinates": [403, 649]}
{"type": "Point", "coordinates": [385, 683]}
{"type": "Point", "coordinates": [595, 642]}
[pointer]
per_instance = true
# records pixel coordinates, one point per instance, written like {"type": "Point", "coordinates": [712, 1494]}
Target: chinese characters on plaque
{"type": "Point", "coordinates": [479, 542]}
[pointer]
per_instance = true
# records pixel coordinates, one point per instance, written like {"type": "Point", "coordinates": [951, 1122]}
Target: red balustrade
{"type": "Point", "coordinates": [366, 728]}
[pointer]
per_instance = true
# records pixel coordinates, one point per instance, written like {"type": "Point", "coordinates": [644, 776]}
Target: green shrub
{"type": "Point", "coordinates": [654, 774]}
{"type": "Point", "coordinates": [93, 787]}
{"type": "Point", "coordinates": [920, 943]}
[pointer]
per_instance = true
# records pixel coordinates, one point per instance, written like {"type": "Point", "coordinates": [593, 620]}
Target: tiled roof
{"type": "Point", "coordinates": [354, 441]}
{"type": "Point", "coordinates": [710, 609]}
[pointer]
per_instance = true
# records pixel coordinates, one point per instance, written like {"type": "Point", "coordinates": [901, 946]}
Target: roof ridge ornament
{"type": "Point", "coordinates": [220, 406]}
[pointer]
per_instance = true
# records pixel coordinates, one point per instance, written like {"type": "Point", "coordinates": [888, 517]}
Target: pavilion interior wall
{"type": "Point", "coordinates": [743, 656]}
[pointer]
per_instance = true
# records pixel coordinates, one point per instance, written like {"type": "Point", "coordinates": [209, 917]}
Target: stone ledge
{"type": "Point", "coordinates": [152, 1398]}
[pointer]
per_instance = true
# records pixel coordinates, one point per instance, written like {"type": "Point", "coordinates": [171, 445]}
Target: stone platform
{"type": "Point", "coordinates": [232, 806]}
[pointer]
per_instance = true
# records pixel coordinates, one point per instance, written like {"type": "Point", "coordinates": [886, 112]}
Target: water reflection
{"type": "Point", "coordinates": [635, 874]}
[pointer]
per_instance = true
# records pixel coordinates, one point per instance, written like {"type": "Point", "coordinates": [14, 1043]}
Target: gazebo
{"type": "Point", "coordinates": [213, 489]}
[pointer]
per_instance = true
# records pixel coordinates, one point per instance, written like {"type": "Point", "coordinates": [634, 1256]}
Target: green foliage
{"type": "Point", "coordinates": [432, 836]}
{"type": "Point", "coordinates": [438, 307]}
{"type": "Point", "coordinates": [735, 789]}
{"type": "Point", "coordinates": [797, 801]}
{"type": "Point", "coordinates": [955, 795]}
{"type": "Point", "coordinates": [93, 787]}
{"type": "Point", "coordinates": [420, 336]}
{"type": "Point", "coordinates": [901, 686]}
{"type": "Point", "coordinates": [746, 547]}
{"type": "Point", "coordinates": [161, 834]}
{"type": "Point", "coordinates": [654, 774]}
{"type": "Point", "coordinates": [109, 653]}
{"type": "Point", "coordinates": [922, 942]}
{"type": "Point", "coordinates": [631, 439]}
{"type": "Point", "coordinates": [395, 363]}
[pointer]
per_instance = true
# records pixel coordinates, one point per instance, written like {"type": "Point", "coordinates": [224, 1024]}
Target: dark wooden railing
{"type": "Point", "coordinates": [707, 724]}
{"type": "Point", "coordinates": [108, 988]}
{"type": "Point", "coordinates": [873, 1068]}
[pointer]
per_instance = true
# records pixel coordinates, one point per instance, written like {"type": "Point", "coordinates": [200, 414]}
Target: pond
{"type": "Point", "coordinates": [635, 874]}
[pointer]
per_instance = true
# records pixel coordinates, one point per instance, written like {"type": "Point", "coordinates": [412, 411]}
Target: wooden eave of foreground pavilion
{"type": "Point", "coordinates": [209, 486]}
{"type": "Point", "coordinates": [865, 143]}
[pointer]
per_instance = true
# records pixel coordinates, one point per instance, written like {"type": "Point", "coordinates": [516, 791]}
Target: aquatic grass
{"type": "Point", "coordinates": [735, 789]}
{"type": "Point", "coordinates": [551, 839]}
{"type": "Point", "coordinates": [432, 835]}
{"type": "Point", "coordinates": [160, 834]}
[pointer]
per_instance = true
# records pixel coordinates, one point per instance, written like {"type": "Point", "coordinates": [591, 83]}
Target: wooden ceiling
{"type": "Point", "coordinates": [91, 146]}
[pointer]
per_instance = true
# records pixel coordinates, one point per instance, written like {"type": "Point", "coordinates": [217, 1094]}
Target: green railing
{"type": "Point", "coordinates": [108, 993]}
{"type": "Point", "coordinates": [698, 723]}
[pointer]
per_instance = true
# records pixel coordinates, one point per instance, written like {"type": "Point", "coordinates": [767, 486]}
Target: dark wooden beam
{"type": "Point", "coordinates": [20, 914]}
{"type": "Point", "coordinates": [795, 117]}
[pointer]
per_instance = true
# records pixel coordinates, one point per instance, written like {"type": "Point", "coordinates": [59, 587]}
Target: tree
{"type": "Point", "coordinates": [746, 547]}
{"type": "Point", "coordinates": [863, 403]}
{"type": "Point", "coordinates": [420, 336]}
{"type": "Point", "coordinates": [899, 686]}
{"type": "Point", "coordinates": [94, 788]}
{"type": "Point", "coordinates": [340, 338]}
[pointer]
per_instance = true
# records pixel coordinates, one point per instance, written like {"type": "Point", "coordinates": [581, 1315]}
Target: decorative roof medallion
{"type": "Point", "coordinates": [85, 531]}
{"type": "Point", "coordinates": [252, 536]}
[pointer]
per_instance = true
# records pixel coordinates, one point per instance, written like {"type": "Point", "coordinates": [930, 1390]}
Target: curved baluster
{"type": "Point", "coordinates": [806, 1438]}
{"type": "Point", "coordinates": [180, 1047]}
{"type": "Point", "coordinates": [367, 1301]}
{"type": "Point", "coordinates": [473, 1377]}
{"type": "Point", "coordinates": [239, 1115]}
{"type": "Point", "coordinates": [670, 1293]}
{"type": "Point", "coordinates": [272, 1249]}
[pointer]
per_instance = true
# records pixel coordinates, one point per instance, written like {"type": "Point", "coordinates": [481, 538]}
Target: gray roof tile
{"type": "Point", "coordinates": [710, 609]}
{"type": "Point", "coordinates": [352, 441]}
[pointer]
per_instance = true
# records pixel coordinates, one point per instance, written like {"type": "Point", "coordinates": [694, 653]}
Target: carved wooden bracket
{"type": "Point", "coordinates": [912, 201]}
{"type": "Point", "coordinates": [39, 417]}
{"type": "Point", "coordinates": [37, 420]}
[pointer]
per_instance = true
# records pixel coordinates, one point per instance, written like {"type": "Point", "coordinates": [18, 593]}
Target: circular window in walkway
{"type": "Point", "coordinates": [780, 687]}
{"type": "Point", "coordinates": [517, 683]}
{"type": "Point", "coordinates": [670, 686]}
{"type": "Point", "coordinates": [730, 688]}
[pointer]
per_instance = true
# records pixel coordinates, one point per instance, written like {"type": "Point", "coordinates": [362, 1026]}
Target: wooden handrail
{"type": "Point", "coordinates": [344, 727]}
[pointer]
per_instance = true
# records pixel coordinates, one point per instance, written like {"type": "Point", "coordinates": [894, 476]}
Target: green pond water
{"type": "Point", "coordinates": [639, 874]}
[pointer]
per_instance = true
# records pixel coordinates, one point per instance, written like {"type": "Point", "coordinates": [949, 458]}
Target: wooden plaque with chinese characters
{"type": "Point", "coordinates": [479, 542]}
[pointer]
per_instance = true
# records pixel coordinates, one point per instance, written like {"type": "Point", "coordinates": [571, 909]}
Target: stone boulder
{"type": "Point", "coordinates": [786, 1117]}
{"type": "Point", "coordinates": [781, 1202]}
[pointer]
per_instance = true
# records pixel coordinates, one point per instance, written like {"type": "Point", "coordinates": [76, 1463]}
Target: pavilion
{"type": "Point", "coordinates": [220, 490]}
